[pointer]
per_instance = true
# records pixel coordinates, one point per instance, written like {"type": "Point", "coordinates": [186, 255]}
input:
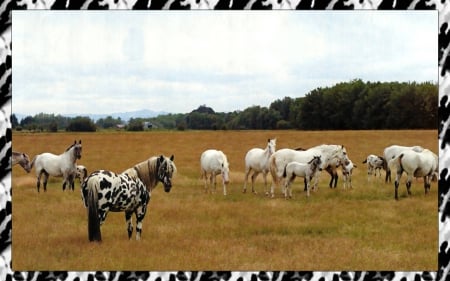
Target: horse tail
{"type": "Point", "coordinates": [93, 219]}
{"type": "Point", "coordinates": [273, 169]}
{"type": "Point", "coordinates": [284, 172]}
{"type": "Point", "coordinates": [365, 161]}
{"type": "Point", "coordinates": [396, 162]}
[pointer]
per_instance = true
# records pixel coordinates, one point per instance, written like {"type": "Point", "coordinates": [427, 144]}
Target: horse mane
{"type": "Point", "coordinates": [147, 171]}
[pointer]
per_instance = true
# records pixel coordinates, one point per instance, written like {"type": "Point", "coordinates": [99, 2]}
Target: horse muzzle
{"type": "Point", "coordinates": [167, 185]}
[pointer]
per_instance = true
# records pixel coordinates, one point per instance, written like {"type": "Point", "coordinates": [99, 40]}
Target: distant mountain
{"type": "Point", "coordinates": [125, 116]}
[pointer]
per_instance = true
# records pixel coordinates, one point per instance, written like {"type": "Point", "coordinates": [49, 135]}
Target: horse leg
{"type": "Point", "coordinates": [224, 186]}
{"type": "Point", "coordinates": [427, 184]}
{"type": "Point", "coordinates": [213, 181]}
{"type": "Point", "coordinates": [265, 181]}
{"type": "Point", "coordinates": [247, 171]}
{"type": "Point", "coordinates": [129, 221]}
{"type": "Point", "coordinates": [45, 180]}
{"type": "Point", "coordinates": [38, 183]}
{"type": "Point", "coordinates": [140, 214]}
{"type": "Point", "coordinates": [255, 174]}
{"type": "Point", "coordinates": [397, 183]}
{"type": "Point", "coordinates": [388, 175]}
{"type": "Point", "coordinates": [308, 183]}
{"type": "Point", "coordinates": [287, 184]}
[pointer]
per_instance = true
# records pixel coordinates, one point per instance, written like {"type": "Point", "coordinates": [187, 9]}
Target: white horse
{"type": "Point", "coordinates": [296, 169]}
{"type": "Point", "coordinates": [63, 165]}
{"type": "Point", "coordinates": [417, 164]}
{"type": "Point", "coordinates": [257, 159]}
{"type": "Point", "coordinates": [214, 162]}
{"type": "Point", "coordinates": [394, 150]}
{"type": "Point", "coordinates": [374, 163]}
{"type": "Point", "coordinates": [282, 157]}
{"type": "Point", "coordinates": [22, 159]}
{"type": "Point", "coordinates": [347, 171]}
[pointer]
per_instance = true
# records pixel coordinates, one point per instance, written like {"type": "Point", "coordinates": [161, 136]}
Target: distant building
{"type": "Point", "coordinates": [148, 125]}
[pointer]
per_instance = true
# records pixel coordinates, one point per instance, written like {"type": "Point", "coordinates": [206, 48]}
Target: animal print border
{"type": "Point", "coordinates": [6, 272]}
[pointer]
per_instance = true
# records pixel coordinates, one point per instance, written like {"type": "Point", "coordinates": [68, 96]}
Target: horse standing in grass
{"type": "Point", "coordinates": [415, 164]}
{"type": "Point", "coordinates": [257, 160]}
{"type": "Point", "coordinates": [330, 168]}
{"type": "Point", "coordinates": [63, 165]}
{"type": "Point", "coordinates": [393, 151]}
{"type": "Point", "coordinates": [347, 172]}
{"type": "Point", "coordinates": [215, 162]}
{"type": "Point", "coordinates": [128, 192]}
{"type": "Point", "coordinates": [374, 163]}
{"type": "Point", "coordinates": [22, 159]}
{"type": "Point", "coordinates": [296, 169]}
{"type": "Point", "coordinates": [82, 173]}
{"type": "Point", "coordinates": [330, 154]}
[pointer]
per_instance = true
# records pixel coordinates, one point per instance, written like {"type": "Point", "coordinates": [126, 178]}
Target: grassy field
{"type": "Point", "coordinates": [186, 229]}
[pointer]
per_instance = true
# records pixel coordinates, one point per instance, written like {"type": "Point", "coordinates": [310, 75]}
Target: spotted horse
{"type": "Point", "coordinates": [104, 191]}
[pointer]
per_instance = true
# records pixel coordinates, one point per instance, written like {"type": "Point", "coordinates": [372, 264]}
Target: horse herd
{"type": "Point", "coordinates": [130, 191]}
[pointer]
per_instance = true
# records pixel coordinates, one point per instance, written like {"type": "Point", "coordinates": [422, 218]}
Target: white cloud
{"type": "Point", "coordinates": [175, 61]}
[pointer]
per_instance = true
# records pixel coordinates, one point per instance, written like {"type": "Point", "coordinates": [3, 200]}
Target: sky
{"type": "Point", "coordinates": [101, 62]}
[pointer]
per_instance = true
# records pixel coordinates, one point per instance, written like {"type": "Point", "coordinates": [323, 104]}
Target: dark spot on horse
{"type": "Point", "coordinates": [104, 184]}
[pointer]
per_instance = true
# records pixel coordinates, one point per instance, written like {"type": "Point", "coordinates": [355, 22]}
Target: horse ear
{"type": "Point", "coordinates": [172, 157]}
{"type": "Point", "coordinates": [79, 142]}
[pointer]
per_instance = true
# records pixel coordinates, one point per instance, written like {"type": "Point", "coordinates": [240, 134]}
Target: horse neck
{"type": "Point", "coordinates": [69, 154]}
{"type": "Point", "coordinates": [144, 169]}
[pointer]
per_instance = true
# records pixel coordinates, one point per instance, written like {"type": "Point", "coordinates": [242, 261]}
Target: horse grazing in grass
{"type": "Point", "coordinates": [393, 151]}
{"type": "Point", "coordinates": [331, 167]}
{"type": "Point", "coordinates": [257, 160]}
{"type": "Point", "coordinates": [330, 154]}
{"type": "Point", "coordinates": [22, 159]}
{"type": "Point", "coordinates": [374, 163]}
{"type": "Point", "coordinates": [63, 165]}
{"type": "Point", "coordinates": [296, 169]}
{"type": "Point", "coordinates": [128, 192]}
{"type": "Point", "coordinates": [415, 164]}
{"type": "Point", "coordinates": [215, 162]}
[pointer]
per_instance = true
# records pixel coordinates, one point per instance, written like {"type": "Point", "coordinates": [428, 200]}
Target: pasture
{"type": "Point", "coordinates": [362, 228]}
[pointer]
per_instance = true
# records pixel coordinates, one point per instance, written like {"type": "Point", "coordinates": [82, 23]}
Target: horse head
{"type": "Point", "coordinates": [225, 173]}
{"type": "Point", "coordinates": [77, 148]}
{"type": "Point", "coordinates": [271, 145]}
{"type": "Point", "coordinates": [165, 167]}
{"type": "Point", "coordinates": [316, 162]}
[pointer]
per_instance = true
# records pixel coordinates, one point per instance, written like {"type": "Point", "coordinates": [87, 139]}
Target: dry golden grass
{"type": "Point", "coordinates": [186, 229]}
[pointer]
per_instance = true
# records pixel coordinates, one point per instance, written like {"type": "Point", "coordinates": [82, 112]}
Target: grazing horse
{"type": "Point", "coordinates": [331, 168]}
{"type": "Point", "coordinates": [417, 164]}
{"type": "Point", "coordinates": [215, 162]}
{"type": "Point", "coordinates": [128, 192]}
{"type": "Point", "coordinates": [257, 159]}
{"type": "Point", "coordinates": [22, 159]}
{"type": "Point", "coordinates": [374, 163]}
{"type": "Point", "coordinates": [347, 171]}
{"type": "Point", "coordinates": [394, 150]}
{"type": "Point", "coordinates": [296, 169]}
{"type": "Point", "coordinates": [282, 157]}
{"type": "Point", "coordinates": [63, 165]}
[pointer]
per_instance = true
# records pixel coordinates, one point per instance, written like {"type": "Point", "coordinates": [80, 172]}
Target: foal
{"type": "Point", "coordinates": [296, 169]}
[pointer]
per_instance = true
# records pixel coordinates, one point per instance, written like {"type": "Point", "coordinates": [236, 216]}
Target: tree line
{"type": "Point", "coordinates": [354, 105]}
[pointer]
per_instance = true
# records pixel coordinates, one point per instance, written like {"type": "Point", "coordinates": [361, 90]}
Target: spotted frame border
{"type": "Point", "coordinates": [6, 272]}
